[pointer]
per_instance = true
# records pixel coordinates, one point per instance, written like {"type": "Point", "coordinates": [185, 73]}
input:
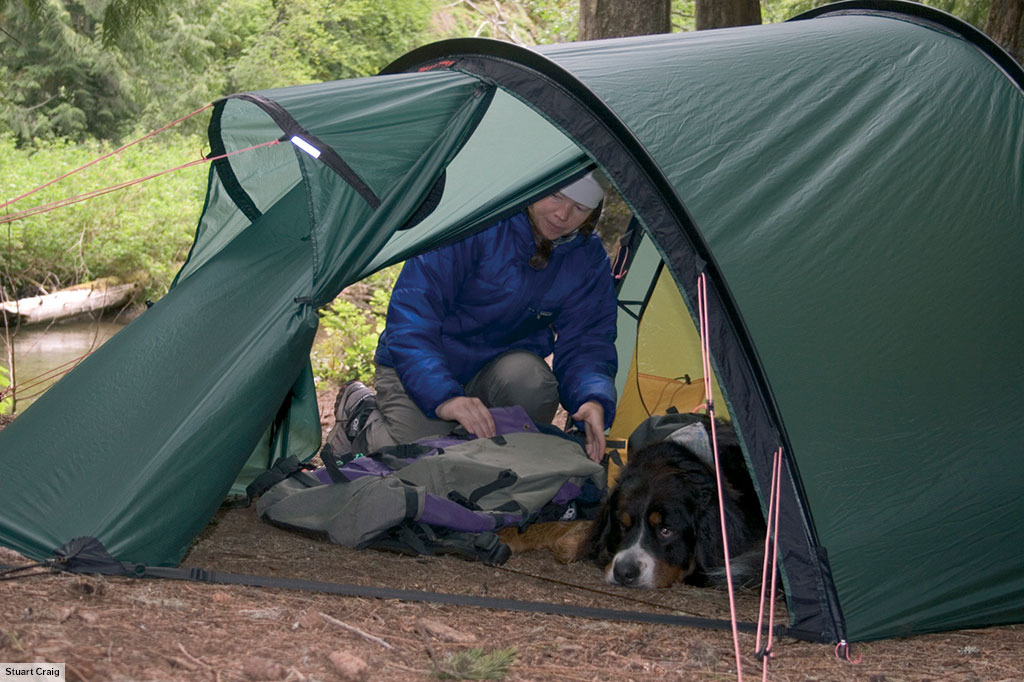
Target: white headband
{"type": "Point", "coordinates": [586, 191]}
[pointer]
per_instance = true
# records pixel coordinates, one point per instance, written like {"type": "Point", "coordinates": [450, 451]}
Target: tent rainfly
{"type": "Point", "coordinates": [851, 183]}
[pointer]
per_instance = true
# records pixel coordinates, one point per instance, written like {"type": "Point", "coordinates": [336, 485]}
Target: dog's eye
{"type": "Point", "coordinates": [666, 532]}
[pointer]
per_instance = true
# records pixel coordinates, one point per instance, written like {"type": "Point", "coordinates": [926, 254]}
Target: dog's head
{"type": "Point", "coordinates": [652, 530]}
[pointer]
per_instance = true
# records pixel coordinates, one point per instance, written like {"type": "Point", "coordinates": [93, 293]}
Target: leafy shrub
{"type": "Point", "coordinates": [525, 22]}
{"type": "Point", "coordinates": [6, 403]}
{"type": "Point", "coordinates": [140, 233]}
{"type": "Point", "coordinates": [349, 329]}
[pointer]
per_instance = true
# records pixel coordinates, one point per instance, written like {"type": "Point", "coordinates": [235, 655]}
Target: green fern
{"type": "Point", "coordinates": [476, 664]}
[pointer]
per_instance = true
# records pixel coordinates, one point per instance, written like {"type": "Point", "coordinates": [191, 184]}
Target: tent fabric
{"type": "Point", "coordinates": [163, 416]}
{"type": "Point", "coordinates": [851, 184]}
{"type": "Point", "coordinates": [839, 272]}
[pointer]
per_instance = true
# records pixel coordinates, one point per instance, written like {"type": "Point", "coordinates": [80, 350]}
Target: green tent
{"type": "Point", "coordinates": [851, 183]}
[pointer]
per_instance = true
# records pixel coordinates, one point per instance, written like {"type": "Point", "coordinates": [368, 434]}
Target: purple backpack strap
{"type": "Point", "coordinates": [442, 512]}
{"type": "Point", "coordinates": [512, 420]}
{"type": "Point", "coordinates": [507, 420]}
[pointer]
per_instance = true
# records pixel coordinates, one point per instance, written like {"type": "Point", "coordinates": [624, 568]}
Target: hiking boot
{"type": "Point", "coordinates": [352, 408]}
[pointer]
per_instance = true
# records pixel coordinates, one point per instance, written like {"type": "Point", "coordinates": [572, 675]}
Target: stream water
{"type": "Point", "coordinates": [43, 353]}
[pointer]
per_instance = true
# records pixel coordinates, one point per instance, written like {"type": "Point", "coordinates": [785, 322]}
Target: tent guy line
{"type": "Point", "coordinates": [105, 156]}
{"type": "Point", "coordinates": [78, 198]}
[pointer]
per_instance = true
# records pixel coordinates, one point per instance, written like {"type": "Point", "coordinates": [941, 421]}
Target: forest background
{"type": "Point", "coordinates": [82, 78]}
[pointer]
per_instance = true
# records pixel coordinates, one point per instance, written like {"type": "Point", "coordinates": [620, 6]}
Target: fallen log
{"type": "Point", "coordinates": [84, 298]}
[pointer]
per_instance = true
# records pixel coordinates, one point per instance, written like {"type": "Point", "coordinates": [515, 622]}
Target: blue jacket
{"type": "Point", "coordinates": [457, 307]}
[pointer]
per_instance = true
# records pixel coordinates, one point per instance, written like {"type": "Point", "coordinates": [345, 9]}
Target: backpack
{"type": "Point", "coordinates": [436, 496]}
{"type": "Point", "coordinates": [693, 431]}
{"type": "Point", "coordinates": [686, 428]}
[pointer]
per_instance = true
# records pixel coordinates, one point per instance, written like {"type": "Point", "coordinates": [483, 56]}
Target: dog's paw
{"type": "Point", "coordinates": [572, 545]}
{"type": "Point", "coordinates": [567, 540]}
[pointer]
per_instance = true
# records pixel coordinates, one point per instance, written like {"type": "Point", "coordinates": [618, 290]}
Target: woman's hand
{"type": "Point", "coordinates": [591, 413]}
{"type": "Point", "coordinates": [471, 413]}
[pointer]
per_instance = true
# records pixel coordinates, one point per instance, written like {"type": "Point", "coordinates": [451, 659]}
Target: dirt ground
{"type": "Point", "coordinates": [122, 629]}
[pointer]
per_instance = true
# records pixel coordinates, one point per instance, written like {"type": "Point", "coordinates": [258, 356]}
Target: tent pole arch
{"type": "Point", "coordinates": [558, 95]}
{"type": "Point", "coordinates": [925, 15]}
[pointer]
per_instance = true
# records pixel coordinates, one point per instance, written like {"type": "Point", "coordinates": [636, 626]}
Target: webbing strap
{"type": "Point", "coordinates": [202, 575]}
{"type": "Point", "coordinates": [282, 469]}
{"type": "Point", "coordinates": [412, 503]}
{"type": "Point", "coordinates": [504, 480]}
{"type": "Point", "coordinates": [348, 590]}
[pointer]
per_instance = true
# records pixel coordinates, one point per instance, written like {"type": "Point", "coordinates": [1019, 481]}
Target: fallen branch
{"type": "Point", "coordinates": [199, 661]}
{"type": "Point", "coordinates": [351, 628]}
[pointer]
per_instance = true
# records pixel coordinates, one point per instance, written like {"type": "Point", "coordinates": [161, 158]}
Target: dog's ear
{"type": "Point", "coordinates": [700, 483]}
{"type": "Point", "coordinates": [709, 533]}
{"type": "Point", "coordinates": [604, 531]}
{"type": "Point", "coordinates": [708, 522]}
{"type": "Point", "coordinates": [708, 527]}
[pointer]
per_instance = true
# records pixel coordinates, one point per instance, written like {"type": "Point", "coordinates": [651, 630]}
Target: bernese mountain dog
{"type": "Point", "coordinates": [661, 523]}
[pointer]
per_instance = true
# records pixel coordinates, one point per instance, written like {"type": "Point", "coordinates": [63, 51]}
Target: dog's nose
{"type": "Point", "coordinates": [626, 573]}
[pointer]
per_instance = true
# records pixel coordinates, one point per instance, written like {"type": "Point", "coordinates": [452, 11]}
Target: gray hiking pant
{"type": "Point", "coordinates": [513, 378]}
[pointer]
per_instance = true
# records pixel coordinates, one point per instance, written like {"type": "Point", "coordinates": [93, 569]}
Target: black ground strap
{"type": "Point", "coordinates": [7, 572]}
{"type": "Point", "coordinates": [202, 575]}
{"type": "Point", "coordinates": [86, 555]}
{"type": "Point", "coordinates": [221, 578]}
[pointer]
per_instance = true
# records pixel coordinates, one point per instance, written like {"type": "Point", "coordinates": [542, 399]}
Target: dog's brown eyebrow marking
{"type": "Point", "coordinates": [625, 520]}
{"type": "Point", "coordinates": [654, 519]}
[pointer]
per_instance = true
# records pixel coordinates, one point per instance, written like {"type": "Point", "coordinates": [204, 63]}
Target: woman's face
{"type": "Point", "coordinates": [557, 215]}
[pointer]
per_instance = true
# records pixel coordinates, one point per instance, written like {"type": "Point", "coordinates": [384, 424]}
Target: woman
{"type": "Point", "coordinates": [469, 326]}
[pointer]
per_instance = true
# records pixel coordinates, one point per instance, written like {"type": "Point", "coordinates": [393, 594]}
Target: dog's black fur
{"type": "Point", "coordinates": [661, 522]}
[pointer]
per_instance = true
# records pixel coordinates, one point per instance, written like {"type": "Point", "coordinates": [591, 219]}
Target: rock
{"type": "Point", "coordinates": [444, 632]}
{"type": "Point", "coordinates": [220, 597]}
{"type": "Point", "coordinates": [308, 620]}
{"type": "Point", "coordinates": [348, 665]}
{"type": "Point", "coordinates": [89, 617]}
{"type": "Point", "coordinates": [263, 669]}
{"type": "Point", "coordinates": [88, 586]}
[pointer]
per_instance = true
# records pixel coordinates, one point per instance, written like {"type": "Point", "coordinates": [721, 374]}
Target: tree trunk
{"type": "Point", "coordinates": [1005, 25]}
{"type": "Point", "coordinates": [726, 13]}
{"type": "Point", "coordinates": [617, 19]}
